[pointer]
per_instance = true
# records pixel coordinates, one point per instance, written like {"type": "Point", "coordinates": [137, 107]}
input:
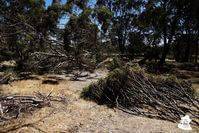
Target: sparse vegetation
{"type": "Point", "coordinates": [148, 48]}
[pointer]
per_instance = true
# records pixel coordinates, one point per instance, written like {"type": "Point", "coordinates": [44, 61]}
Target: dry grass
{"type": "Point", "coordinates": [79, 115]}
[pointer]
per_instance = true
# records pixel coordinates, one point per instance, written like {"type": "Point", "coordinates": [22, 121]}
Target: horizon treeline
{"type": "Point", "coordinates": [30, 31]}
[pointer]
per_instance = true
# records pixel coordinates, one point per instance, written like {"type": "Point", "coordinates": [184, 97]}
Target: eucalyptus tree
{"type": "Point", "coordinates": [78, 13]}
{"type": "Point", "coordinates": [165, 17]}
{"type": "Point", "coordinates": [189, 29]}
{"type": "Point", "coordinates": [122, 13]}
{"type": "Point", "coordinates": [80, 32]}
{"type": "Point", "coordinates": [25, 25]}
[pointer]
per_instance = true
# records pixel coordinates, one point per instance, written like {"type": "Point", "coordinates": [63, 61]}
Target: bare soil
{"type": "Point", "coordinates": [79, 115]}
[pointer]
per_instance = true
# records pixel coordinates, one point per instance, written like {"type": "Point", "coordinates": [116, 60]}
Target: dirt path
{"type": "Point", "coordinates": [78, 115]}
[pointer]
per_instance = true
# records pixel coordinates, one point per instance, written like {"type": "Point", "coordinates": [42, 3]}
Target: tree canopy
{"type": "Point", "coordinates": [130, 26]}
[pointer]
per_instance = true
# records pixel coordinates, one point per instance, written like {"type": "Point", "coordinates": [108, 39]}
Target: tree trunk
{"type": "Point", "coordinates": [197, 47]}
{"type": "Point", "coordinates": [187, 51]}
{"type": "Point", "coordinates": [66, 42]}
{"type": "Point", "coordinates": [170, 38]}
{"type": "Point", "coordinates": [166, 47]}
{"type": "Point", "coordinates": [121, 47]}
{"type": "Point", "coordinates": [164, 54]}
{"type": "Point", "coordinates": [176, 51]}
{"type": "Point", "coordinates": [120, 42]}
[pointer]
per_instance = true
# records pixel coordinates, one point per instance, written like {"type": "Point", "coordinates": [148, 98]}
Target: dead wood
{"type": "Point", "coordinates": [139, 94]}
{"type": "Point", "coordinates": [11, 106]}
{"type": "Point", "coordinates": [4, 79]}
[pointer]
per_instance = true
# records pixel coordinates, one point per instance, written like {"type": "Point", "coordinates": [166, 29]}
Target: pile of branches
{"type": "Point", "coordinates": [5, 79]}
{"type": "Point", "coordinates": [13, 105]}
{"type": "Point", "coordinates": [137, 93]}
{"type": "Point", "coordinates": [56, 61]}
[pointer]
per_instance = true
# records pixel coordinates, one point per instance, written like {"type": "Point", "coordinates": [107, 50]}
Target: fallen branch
{"type": "Point", "coordinates": [13, 105]}
{"type": "Point", "coordinates": [136, 93]}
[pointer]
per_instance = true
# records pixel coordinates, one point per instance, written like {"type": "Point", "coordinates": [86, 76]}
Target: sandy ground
{"type": "Point", "coordinates": [79, 115]}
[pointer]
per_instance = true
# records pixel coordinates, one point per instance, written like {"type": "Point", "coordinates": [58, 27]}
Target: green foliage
{"type": "Point", "coordinates": [84, 19]}
{"type": "Point", "coordinates": [116, 63]}
{"type": "Point", "coordinates": [25, 26]}
{"type": "Point", "coordinates": [127, 25]}
{"type": "Point", "coordinates": [104, 16]}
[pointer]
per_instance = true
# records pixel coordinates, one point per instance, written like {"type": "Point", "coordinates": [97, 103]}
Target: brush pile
{"type": "Point", "coordinates": [135, 92]}
{"type": "Point", "coordinates": [13, 105]}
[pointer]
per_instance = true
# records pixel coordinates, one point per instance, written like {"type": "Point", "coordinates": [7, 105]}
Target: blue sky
{"type": "Point", "coordinates": [48, 2]}
{"type": "Point", "coordinates": [64, 20]}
